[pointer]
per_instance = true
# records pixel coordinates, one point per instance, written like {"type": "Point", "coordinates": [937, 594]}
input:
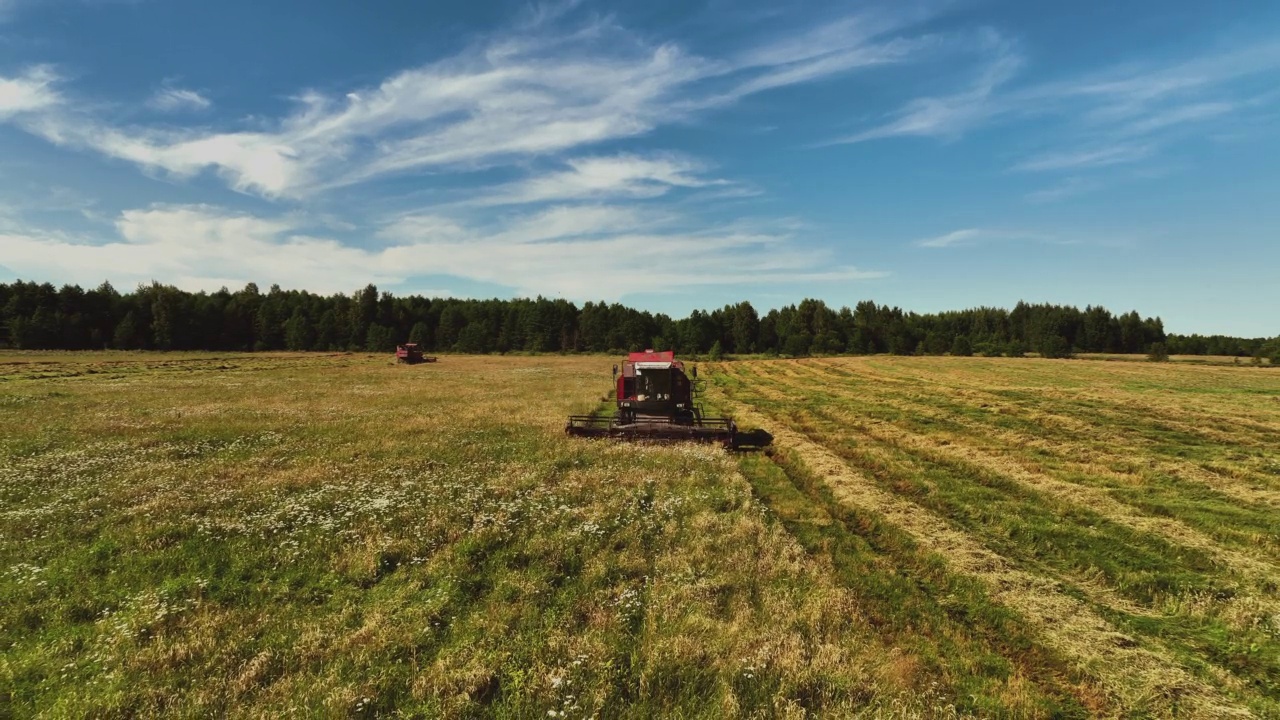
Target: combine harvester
{"type": "Point", "coordinates": [411, 354]}
{"type": "Point", "coordinates": [657, 401]}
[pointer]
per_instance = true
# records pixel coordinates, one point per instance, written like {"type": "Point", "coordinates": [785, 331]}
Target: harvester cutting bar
{"type": "Point", "coordinates": [709, 430]}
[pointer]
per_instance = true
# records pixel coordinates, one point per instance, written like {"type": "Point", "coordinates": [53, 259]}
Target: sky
{"type": "Point", "coordinates": [933, 155]}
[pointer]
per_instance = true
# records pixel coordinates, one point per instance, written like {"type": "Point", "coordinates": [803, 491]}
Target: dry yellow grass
{"type": "Point", "coordinates": [303, 535]}
{"type": "Point", "coordinates": [1139, 536]}
{"type": "Point", "coordinates": [1132, 675]}
{"type": "Point", "coordinates": [307, 535]}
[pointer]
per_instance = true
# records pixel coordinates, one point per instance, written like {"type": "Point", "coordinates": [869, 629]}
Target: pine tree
{"type": "Point", "coordinates": [327, 331]}
{"type": "Point", "coordinates": [126, 333]}
{"type": "Point", "coordinates": [1054, 347]}
{"type": "Point", "coordinates": [379, 339]}
{"type": "Point", "coordinates": [297, 332]}
{"type": "Point", "coordinates": [798, 345]}
{"type": "Point", "coordinates": [419, 334]}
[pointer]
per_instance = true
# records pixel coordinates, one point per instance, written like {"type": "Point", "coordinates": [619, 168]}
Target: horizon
{"type": "Point", "coordinates": [932, 156]}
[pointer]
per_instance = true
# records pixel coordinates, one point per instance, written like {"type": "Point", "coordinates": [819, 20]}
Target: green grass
{"type": "Point", "coordinates": [1156, 491]}
{"type": "Point", "coordinates": [337, 536]}
{"type": "Point", "coordinates": [1220, 625]}
{"type": "Point", "coordinates": [947, 622]}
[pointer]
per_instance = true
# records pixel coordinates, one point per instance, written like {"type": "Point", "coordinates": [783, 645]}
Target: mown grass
{"type": "Point", "coordinates": [338, 536]}
{"type": "Point", "coordinates": [1072, 453]}
{"type": "Point", "coordinates": [977, 653]}
{"type": "Point", "coordinates": [909, 426]}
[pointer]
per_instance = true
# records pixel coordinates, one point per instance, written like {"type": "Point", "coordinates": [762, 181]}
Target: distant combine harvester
{"type": "Point", "coordinates": [411, 354]}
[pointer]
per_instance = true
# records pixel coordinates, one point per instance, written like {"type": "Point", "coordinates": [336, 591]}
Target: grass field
{"type": "Point", "coordinates": [307, 535]}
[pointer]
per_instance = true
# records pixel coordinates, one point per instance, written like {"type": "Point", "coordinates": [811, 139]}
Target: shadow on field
{"type": "Point", "coordinates": [755, 440]}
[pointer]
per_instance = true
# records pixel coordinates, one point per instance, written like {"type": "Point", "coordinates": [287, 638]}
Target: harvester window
{"type": "Point", "coordinates": [653, 385]}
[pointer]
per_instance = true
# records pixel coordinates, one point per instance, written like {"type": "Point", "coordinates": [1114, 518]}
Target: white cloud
{"type": "Point", "coordinates": [952, 115]}
{"type": "Point", "coordinates": [29, 92]}
{"type": "Point", "coordinates": [1091, 157]}
{"type": "Point", "coordinates": [1068, 187]}
{"type": "Point", "coordinates": [829, 49]}
{"type": "Point", "coordinates": [977, 236]}
{"type": "Point", "coordinates": [592, 178]}
{"type": "Point", "coordinates": [466, 111]}
{"type": "Point", "coordinates": [421, 228]}
{"type": "Point", "coordinates": [832, 63]}
{"type": "Point", "coordinates": [1101, 116]}
{"type": "Point", "coordinates": [553, 223]}
{"type": "Point", "coordinates": [527, 95]}
{"type": "Point", "coordinates": [949, 239]}
{"type": "Point", "coordinates": [592, 252]}
{"type": "Point", "coordinates": [1132, 89]}
{"type": "Point", "coordinates": [605, 251]}
{"type": "Point", "coordinates": [615, 266]}
{"type": "Point", "coordinates": [554, 232]}
{"type": "Point", "coordinates": [1178, 115]}
{"type": "Point", "coordinates": [250, 162]}
{"type": "Point", "coordinates": [170, 99]}
{"type": "Point", "coordinates": [195, 247]}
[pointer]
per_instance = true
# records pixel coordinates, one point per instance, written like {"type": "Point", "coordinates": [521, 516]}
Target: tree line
{"type": "Point", "coordinates": [162, 317]}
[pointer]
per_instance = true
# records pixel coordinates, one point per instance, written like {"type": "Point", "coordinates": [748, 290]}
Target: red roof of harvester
{"type": "Point", "coordinates": [651, 356]}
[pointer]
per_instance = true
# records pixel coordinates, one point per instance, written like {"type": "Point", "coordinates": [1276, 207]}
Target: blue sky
{"type": "Point", "coordinates": [670, 155]}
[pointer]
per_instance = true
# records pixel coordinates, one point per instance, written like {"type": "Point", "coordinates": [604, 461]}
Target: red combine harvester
{"type": "Point", "coordinates": [657, 401]}
{"type": "Point", "coordinates": [411, 354]}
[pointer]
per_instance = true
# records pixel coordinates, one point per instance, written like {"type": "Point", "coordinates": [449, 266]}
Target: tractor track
{"type": "Point", "coordinates": [1135, 674]}
{"type": "Point", "coordinates": [1215, 423]}
{"type": "Point", "coordinates": [1061, 446]}
{"type": "Point", "coordinates": [947, 448]}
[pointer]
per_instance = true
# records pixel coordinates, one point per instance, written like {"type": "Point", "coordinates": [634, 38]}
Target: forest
{"type": "Point", "coordinates": [162, 317]}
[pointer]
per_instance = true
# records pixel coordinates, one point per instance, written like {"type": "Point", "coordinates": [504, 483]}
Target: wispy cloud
{"type": "Point", "coordinates": [978, 236]}
{"type": "Point", "coordinates": [1177, 115]}
{"type": "Point", "coordinates": [171, 99]}
{"type": "Point", "coordinates": [1118, 115]}
{"type": "Point", "coordinates": [31, 91]}
{"type": "Point", "coordinates": [1063, 189]}
{"type": "Point", "coordinates": [829, 49]}
{"type": "Point", "coordinates": [1135, 89]}
{"type": "Point", "coordinates": [535, 94]}
{"type": "Point", "coordinates": [1086, 158]}
{"type": "Point", "coordinates": [955, 237]}
{"type": "Point", "coordinates": [950, 116]}
{"type": "Point", "coordinates": [595, 178]}
{"type": "Point", "coordinates": [195, 247]}
{"type": "Point", "coordinates": [582, 252]}
{"type": "Point", "coordinates": [533, 102]}
{"type": "Point", "coordinates": [893, 51]}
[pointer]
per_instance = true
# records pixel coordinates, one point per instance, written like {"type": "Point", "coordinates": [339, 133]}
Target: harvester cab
{"type": "Point", "coordinates": [656, 400]}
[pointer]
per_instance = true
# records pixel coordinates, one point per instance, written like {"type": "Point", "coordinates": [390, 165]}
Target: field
{"type": "Point", "coordinates": [311, 535]}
